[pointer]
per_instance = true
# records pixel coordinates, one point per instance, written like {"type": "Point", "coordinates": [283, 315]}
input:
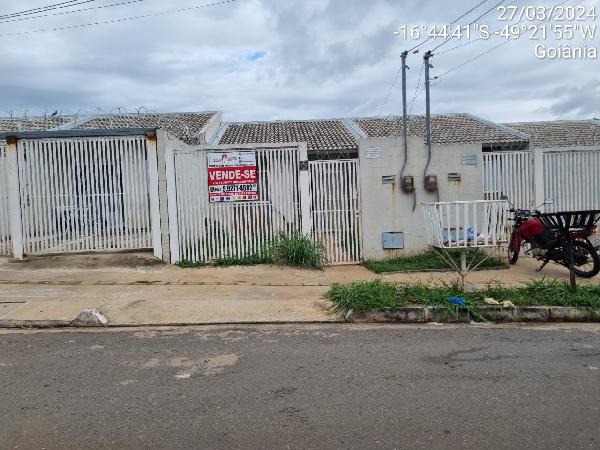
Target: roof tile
{"type": "Point", "coordinates": [320, 135]}
{"type": "Point", "coordinates": [445, 129]}
{"type": "Point", "coordinates": [560, 133]}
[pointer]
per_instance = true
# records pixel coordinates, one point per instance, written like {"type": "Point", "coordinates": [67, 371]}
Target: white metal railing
{"type": "Point", "coordinates": [572, 180]}
{"type": "Point", "coordinates": [207, 231]}
{"type": "Point", "coordinates": [5, 243]}
{"type": "Point", "coordinates": [478, 223]}
{"type": "Point", "coordinates": [335, 209]}
{"type": "Point", "coordinates": [510, 174]}
{"type": "Point", "coordinates": [84, 194]}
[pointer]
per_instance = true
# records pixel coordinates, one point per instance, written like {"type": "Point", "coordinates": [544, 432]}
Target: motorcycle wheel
{"type": "Point", "coordinates": [586, 262]}
{"type": "Point", "coordinates": [513, 255]}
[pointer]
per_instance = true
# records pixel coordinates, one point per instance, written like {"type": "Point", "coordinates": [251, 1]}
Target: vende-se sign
{"type": "Point", "coordinates": [232, 177]}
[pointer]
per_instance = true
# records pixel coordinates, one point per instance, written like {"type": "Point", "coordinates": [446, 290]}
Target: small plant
{"type": "Point", "coordinates": [297, 250]}
{"type": "Point", "coordinates": [249, 260]}
{"type": "Point", "coordinates": [364, 296]}
{"type": "Point", "coordinates": [187, 264]}
{"type": "Point", "coordinates": [429, 260]}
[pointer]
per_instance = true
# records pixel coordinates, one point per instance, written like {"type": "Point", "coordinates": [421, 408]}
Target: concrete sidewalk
{"type": "Point", "coordinates": [134, 289]}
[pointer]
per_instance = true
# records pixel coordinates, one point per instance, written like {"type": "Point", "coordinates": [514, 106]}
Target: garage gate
{"type": "Point", "coordinates": [86, 194]}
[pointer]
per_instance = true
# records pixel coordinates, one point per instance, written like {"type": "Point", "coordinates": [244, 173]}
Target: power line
{"type": "Point", "coordinates": [72, 11]}
{"type": "Point", "coordinates": [389, 93]}
{"type": "Point", "coordinates": [492, 48]}
{"type": "Point", "coordinates": [68, 4]}
{"type": "Point", "coordinates": [500, 29]}
{"type": "Point", "coordinates": [474, 58]}
{"type": "Point", "coordinates": [416, 46]}
{"type": "Point", "coordinates": [124, 19]}
{"type": "Point", "coordinates": [451, 23]}
{"type": "Point", "coordinates": [471, 23]}
{"type": "Point", "coordinates": [412, 102]}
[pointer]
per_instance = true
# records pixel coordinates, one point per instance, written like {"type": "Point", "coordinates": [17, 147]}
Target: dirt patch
{"type": "Point", "coordinates": [89, 261]}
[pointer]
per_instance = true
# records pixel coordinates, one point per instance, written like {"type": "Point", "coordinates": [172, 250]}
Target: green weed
{"type": "Point", "coordinates": [429, 260]}
{"type": "Point", "coordinates": [365, 296]}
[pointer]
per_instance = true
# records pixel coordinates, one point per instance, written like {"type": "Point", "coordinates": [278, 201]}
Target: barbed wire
{"type": "Point", "coordinates": [337, 142]}
{"type": "Point", "coordinates": [185, 126]}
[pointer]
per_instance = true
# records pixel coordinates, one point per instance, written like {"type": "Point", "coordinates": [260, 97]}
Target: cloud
{"type": "Point", "coordinates": [273, 59]}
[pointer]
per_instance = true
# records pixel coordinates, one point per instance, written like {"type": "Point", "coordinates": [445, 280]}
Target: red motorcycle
{"type": "Point", "coordinates": [551, 245]}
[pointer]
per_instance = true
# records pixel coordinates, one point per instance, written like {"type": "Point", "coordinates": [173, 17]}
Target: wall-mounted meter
{"type": "Point", "coordinates": [431, 183]}
{"type": "Point", "coordinates": [408, 184]}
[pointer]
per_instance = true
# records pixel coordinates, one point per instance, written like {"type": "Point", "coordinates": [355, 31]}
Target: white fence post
{"type": "Point", "coordinates": [304, 186]}
{"type": "Point", "coordinates": [538, 177]}
{"type": "Point", "coordinates": [172, 204]}
{"type": "Point", "coordinates": [153, 193]}
{"type": "Point", "coordinates": [14, 199]}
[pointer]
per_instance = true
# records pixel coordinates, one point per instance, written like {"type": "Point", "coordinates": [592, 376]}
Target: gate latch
{"type": "Point", "coordinates": [304, 166]}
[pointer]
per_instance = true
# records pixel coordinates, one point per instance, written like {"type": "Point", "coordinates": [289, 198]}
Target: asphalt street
{"type": "Point", "coordinates": [296, 387]}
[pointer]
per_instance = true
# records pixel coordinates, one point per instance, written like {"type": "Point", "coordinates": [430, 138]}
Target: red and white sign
{"type": "Point", "coordinates": [232, 177]}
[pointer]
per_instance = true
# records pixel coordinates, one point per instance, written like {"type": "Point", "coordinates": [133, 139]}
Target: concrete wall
{"type": "Point", "coordinates": [386, 208]}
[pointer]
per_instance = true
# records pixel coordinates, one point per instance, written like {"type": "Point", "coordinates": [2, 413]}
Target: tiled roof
{"type": "Point", "coordinates": [186, 126]}
{"type": "Point", "coordinates": [560, 133]}
{"type": "Point", "coordinates": [32, 123]}
{"type": "Point", "coordinates": [445, 129]}
{"type": "Point", "coordinates": [320, 135]}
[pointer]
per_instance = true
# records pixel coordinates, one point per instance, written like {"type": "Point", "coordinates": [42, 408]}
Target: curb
{"type": "Point", "coordinates": [10, 323]}
{"type": "Point", "coordinates": [395, 272]}
{"type": "Point", "coordinates": [425, 314]}
{"type": "Point", "coordinates": [409, 314]}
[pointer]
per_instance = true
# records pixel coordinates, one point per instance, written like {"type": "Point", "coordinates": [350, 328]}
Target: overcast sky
{"type": "Point", "coordinates": [280, 59]}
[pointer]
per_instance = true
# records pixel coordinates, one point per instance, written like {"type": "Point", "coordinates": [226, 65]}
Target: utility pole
{"type": "Point", "coordinates": [404, 109]}
{"type": "Point", "coordinates": [428, 65]}
{"type": "Point", "coordinates": [430, 182]}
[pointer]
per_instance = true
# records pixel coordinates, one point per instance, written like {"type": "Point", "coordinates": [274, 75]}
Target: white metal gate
{"type": "Point", "coordinates": [572, 180]}
{"type": "Point", "coordinates": [5, 245]}
{"type": "Point", "coordinates": [84, 194]}
{"type": "Point", "coordinates": [510, 174]}
{"type": "Point", "coordinates": [335, 205]}
{"type": "Point", "coordinates": [207, 231]}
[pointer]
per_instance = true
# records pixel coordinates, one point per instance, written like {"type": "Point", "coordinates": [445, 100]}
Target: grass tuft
{"type": "Point", "coordinates": [295, 250]}
{"type": "Point", "coordinates": [377, 295]}
{"type": "Point", "coordinates": [187, 264]}
{"type": "Point", "coordinates": [298, 250]}
{"type": "Point", "coordinates": [365, 296]}
{"type": "Point", "coordinates": [429, 260]}
{"type": "Point", "coordinates": [249, 260]}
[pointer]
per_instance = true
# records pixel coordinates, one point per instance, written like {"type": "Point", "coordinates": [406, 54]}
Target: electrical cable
{"type": "Point", "coordinates": [389, 93]}
{"type": "Point", "coordinates": [68, 4]}
{"type": "Point", "coordinates": [449, 38]}
{"type": "Point", "coordinates": [492, 48]}
{"type": "Point", "coordinates": [395, 81]}
{"type": "Point", "coordinates": [450, 24]}
{"type": "Point", "coordinates": [500, 29]}
{"type": "Point", "coordinates": [416, 91]}
{"type": "Point", "coordinates": [124, 19]}
{"type": "Point", "coordinates": [71, 12]}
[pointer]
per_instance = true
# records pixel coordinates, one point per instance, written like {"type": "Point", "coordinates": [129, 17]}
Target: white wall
{"type": "Point", "coordinates": [386, 208]}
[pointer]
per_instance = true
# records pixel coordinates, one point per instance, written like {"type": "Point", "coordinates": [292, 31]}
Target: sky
{"type": "Point", "coordinates": [285, 59]}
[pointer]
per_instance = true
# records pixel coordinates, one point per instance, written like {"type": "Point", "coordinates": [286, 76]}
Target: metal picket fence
{"type": "Point", "coordinates": [208, 231]}
{"type": "Point", "coordinates": [572, 180]}
{"type": "Point", "coordinates": [568, 177]}
{"type": "Point", "coordinates": [84, 194]}
{"type": "Point", "coordinates": [510, 174]}
{"type": "Point", "coordinates": [335, 208]}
